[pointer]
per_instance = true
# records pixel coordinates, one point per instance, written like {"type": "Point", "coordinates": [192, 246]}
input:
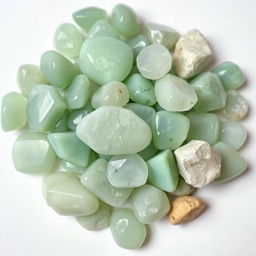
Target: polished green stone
{"type": "Point", "coordinates": [32, 153]}
{"type": "Point", "coordinates": [169, 130]}
{"type": "Point", "coordinates": [58, 70]}
{"type": "Point", "coordinates": [183, 189]}
{"type": "Point", "coordinates": [137, 43]}
{"type": "Point", "coordinates": [62, 124]}
{"type": "Point", "coordinates": [126, 230]}
{"type": "Point", "coordinates": [162, 171]}
{"type": "Point", "coordinates": [13, 111]}
{"type": "Point", "coordinates": [148, 152]}
{"type": "Point", "coordinates": [106, 157]}
{"type": "Point", "coordinates": [105, 59]}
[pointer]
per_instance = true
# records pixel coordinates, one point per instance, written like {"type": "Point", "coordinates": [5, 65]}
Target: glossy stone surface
{"type": "Point", "coordinates": [105, 59]}
{"type": "Point", "coordinates": [32, 153]}
{"type": "Point", "coordinates": [13, 111]}
{"type": "Point", "coordinates": [137, 43]}
{"type": "Point", "coordinates": [163, 172]}
{"type": "Point", "coordinates": [67, 196]}
{"type": "Point", "coordinates": [148, 152]}
{"type": "Point", "coordinates": [127, 231]}
{"type": "Point", "coordinates": [72, 168]}
{"type": "Point", "coordinates": [62, 124]}
{"type": "Point", "coordinates": [114, 131]}
{"type": "Point", "coordinates": [183, 189]}
{"type": "Point", "coordinates": [175, 94]}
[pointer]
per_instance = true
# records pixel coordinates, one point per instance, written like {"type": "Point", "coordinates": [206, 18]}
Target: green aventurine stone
{"type": "Point", "coordinates": [230, 75]}
{"type": "Point", "coordinates": [72, 168]}
{"type": "Point", "coordinates": [45, 107]}
{"type": "Point", "coordinates": [183, 189]}
{"type": "Point", "coordinates": [162, 171]}
{"type": "Point", "coordinates": [58, 70]}
{"type": "Point", "coordinates": [62, 124]}
{"type": "Point", "coordinates": [137, 43]}
{"type": "Point", "coordinates": [169, 130]}
{"type": "Point", "coordinates": [148, 152]}
{"type": "Point", "coordinates": [32, 153]}
{"type": "Point", "coordinates": [95, 180]}
{"type": "Point", "coordinates": [127, 231]}
{"type": "Point", "coordinates": [203, 126]}
{"type": "Point", "coordinates": [67, 196]}
{"type": "Point", "coordinates": [105, 59]}
{"type": "Point", "coordinates": [13, 111]}
{"type": "Point", "coordinates": [232, 163]}
{"type": "Point", "coordinates": [149, 204]}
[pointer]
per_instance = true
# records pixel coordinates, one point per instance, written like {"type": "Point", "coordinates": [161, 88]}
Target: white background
{"type": "Point", "coordinates": [228, 227]}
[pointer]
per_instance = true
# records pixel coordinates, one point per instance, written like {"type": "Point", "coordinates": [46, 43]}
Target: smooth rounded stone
{"type": "Point", "coordinates": [175, 94]}
{"type": "Point", "coordinates": [125, 20]}
{"type": "Point", "coordinates": [105, 59]}
{"type": "Point", "coordinates": [169, 130]}
{"type": "Point", "coordinates": [113, 93]}
{"type": "Point", "coordinates": [127, 231]}
{"type": "Point", "coordinates": [161, 34]}
{"type": "Point", "coordinates": [68, 40]}
{"type": "Point", "coordinates": [163, 172]}
{"type": "Point", "coordinates": [32, 153]}
{"type": "Point", "coordinates": [127, 171]}
{"type": "Point", "coordinates": [13, 111]}
{"type": "Point", "coordinates": [28, 75]}
{"type": "Point", "coordinates": [203, 126]}
{"type": "Point", "coordinates": [210, 92]}
{"type": "Point", "coordinates": [232, 133]}
{"type": "Point", "coordinates": [236, 106]}
{"type": "Point", "coordinates": [154, 61]}
{"type": "Point", "coordinates": [62, 124]}
{"type": "Point", "coordinates": [114, 131]}
{"type": "Point", "coordinates": [95, 180]}
{"type": "Point", "coordinates": [232, 164]}
{"type": "Point", "coordinates": [230, 75]}
{"type": "Point", "coordinates": [45, 107]}
{"type": "Point", "coordinates": [141, 90]}
{"type": "Point", "coordinates": [67, 196]}
{"type": "Point", "coordinates": [149, 204]}
{"type": "Point", "coordinates": [137, 43]}
{"type": "Point", "coordinates": [183, 189]}
{"type": "Point", "coordinates": [148, 152]}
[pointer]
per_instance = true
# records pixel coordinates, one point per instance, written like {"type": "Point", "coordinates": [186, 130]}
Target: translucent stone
{"type": "Point", "coordinates": [68, 40]}
{"type": "Point", "coordinates": [137, 43]}
{"type": "Point", "coordinates": [203, 126]}
{"type": "Point", "coordinates": [236, 106]}
{"type": "Point", "coordinates": [169, 130]}
{"type": "Point", "coordinates": [210, 92]}
{"type": "Point", "coordinates": [183, 189]}
{"type": "Point", "coordinates": [111, 94]}
{"type": "Point", "coordinates": [127, 171]}
{"type": "Point", "coordinates": [141, 90]}
{"type": "Point", "coordinates": [45, 107]}
{"type": "Point", "coordinates": [232, 163]}
{"type": "Point", "coordinates": [28, 75]}
{"type": "Point", "coordinates": [233, 133]}
{"type": "Point", "coordinates": [127, 231]}
{"type": "Point", "coordinates": [58, 70]}
{"type": "Point", "coordinates": [95, 180]}
{"type": "Point", "coordinates": [175, 94]}
{"type": "Point", "coordinates": [148, 152]}
{"type": "Point", "coordinates": [62, 124]}
{"type": "Point", "coordinates": [162, 171]}
{"type": "Point", "coordinates": [149, 204]}
{"type": "Point", "coordinates": [154, 61]}
{"type": "Point", "coordinates": [13, 111]}
{"type": "Point", "coordinates": [114, 131]}
{"type": "Point", "coordinates": [67, 196]}
{"type": "Point", "coordinates": [105, 59]}
{"type": "Point", "coordinates": [32, 153]}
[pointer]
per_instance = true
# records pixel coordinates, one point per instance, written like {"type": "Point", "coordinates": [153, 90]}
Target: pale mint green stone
{"type": "Point", "coordinates": [62, 124]}
{"type": "Point", "coordinates": [28, 75]}
{"type": "Point", "coordinates": [68, 40]}
{"type": "Point", "coordinates": [125, 20]}
{"type": "Point", "coordinates": [95, 180]}
{"type": "Point", "coordinates": [32, 153]}
{"type": "Point", "coordinates": [105, 59]}
{"type": "Point", "coordinates": [86, 17]}
{"type": "Point", "coordinates": [126, 230]}
{"type": "Point", "coordinates": [58, 70]}
{"type": "Point", "coordinates": [13, 111]}
{"type": "Point", "coordinates": [148, 152]}
{"type": "Point", "coordinates": [210, 92]}
{"type": "Point", "coordinates": [149, 204]}
{"type": "Point", "coordinates": [141, 90]}
{"type": "Point", "coordinates": [203, 126]}
{"type": "Point", "coordinates": [67, 196]}
{"type": "Point", "coordinates": [98, 220]}
{"type": "Point", "coordinates": [106, 157]}
{"type": "Point", "coordinates": [169, 130]}
{"type": "Point", "coordinates": [163, 172]}
{"type": "Point", "coordinates": [183, 189]}
{"type": "Point", "coordinates": [232, 163]}
{"type": "Point", "coordinates": [45, 108]}
{"type": "Point", "coordinates": [137, 43]}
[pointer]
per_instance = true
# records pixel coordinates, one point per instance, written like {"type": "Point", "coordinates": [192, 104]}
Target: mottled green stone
{"type": "Point", "coordinates": [183, 189]}
{"type": "Point", "coordinates": [137, 43]}
{"type": "Point", "coordinates": [148, 152]}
